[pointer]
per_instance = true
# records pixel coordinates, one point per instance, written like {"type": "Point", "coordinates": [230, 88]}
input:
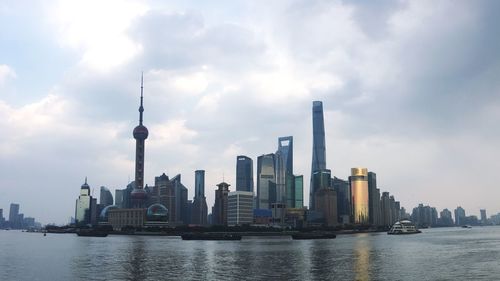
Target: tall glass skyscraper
{"type": "Point", "coordinates": [199, 184]}
{"type": "Point", "coordinates": [244, 173]}
{"type": "Point", "coordinates": [319, 149]}
{"type": "Point", "coordinates": [359, 192]}
{"type": "Point", "coordinates": [199, 206]}
{"type": "Point", "coordinates": [298, 192]}
{"type": "Point", "coordinates": [266, 183]}
{"type": "Point", "coordinates": [284, 170]}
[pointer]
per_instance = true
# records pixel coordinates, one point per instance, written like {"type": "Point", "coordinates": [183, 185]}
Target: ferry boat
{"type": "Point", "coordinates": [404, 227]}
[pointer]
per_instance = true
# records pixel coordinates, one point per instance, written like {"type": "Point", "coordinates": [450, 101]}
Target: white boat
{"type": "Point", "coordinates": [404, 227]}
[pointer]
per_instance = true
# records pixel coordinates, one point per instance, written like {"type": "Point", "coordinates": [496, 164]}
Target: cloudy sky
{"type": "Point", "coordinates": [410, 90]}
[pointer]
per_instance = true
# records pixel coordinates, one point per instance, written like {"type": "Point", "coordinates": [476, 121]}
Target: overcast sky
{"type": "Point", "coordinates": [410, 90]}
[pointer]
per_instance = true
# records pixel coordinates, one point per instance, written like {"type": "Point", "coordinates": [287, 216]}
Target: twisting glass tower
{"type": "Point", "coordinates": [319, 149]}
{"type": "Point", "coordinates": [138, 195]}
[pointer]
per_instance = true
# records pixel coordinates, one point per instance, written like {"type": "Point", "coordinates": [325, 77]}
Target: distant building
{"type": "Point", "coordinates": [358, 182]}
{"type": "Point", "coordinates": [298, 198]}
{"type": "Point", "coordinates": [119, 198]}
{"type": "Point", "coordinates": [284, 171]}
{"type": "Point", "coordinates": [239, 208]}
{"type": "Point", "coordinates": [84, 204]}
{"type": "Point", "coordinates": [266, 181]}
{"type": "Point", "coordinates": [326, 203]}
{"type": "Point", "coordinates": [445, 218]}
{"type": "Point", "coordinates": [2, 219]}
{"type": "Point", "coordinates": [105, 198]}
{"type": "Point", "coordinates": [460, 216]}
{"type": "Point", "coordinates": [484, 218]}
{"type": "Point", "coordinates": [373, 199]}
{"type": "Point", "coordinates": [318, 149]}
{"type": "Point", "coordinates": [219, 210]}
{"type": "Point", "coordinates": [341, 187]}
{"type": "Point", "coordinates": [199, 208]}
{"type": "Point", "coordinates": [121, 218]}
{"type": "Point", "coordinates": [385, 209]}
{"type": "Point", "coordinates": [321, 179]}
{"type": "Point", "coordinates": [244, 173]}
{"type": "Point", "coordinates": [14, 215]}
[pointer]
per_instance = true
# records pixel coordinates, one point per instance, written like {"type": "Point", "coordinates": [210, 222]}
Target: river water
{"type": "Point", "coordinates": [436, 254]}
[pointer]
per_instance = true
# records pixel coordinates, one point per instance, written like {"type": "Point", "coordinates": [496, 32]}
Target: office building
{"type": "Point", "coordinates": [298, 199]}
{"type": "Point", "coordinates": [326, 204]}
{"type": "Point", "coordinates": [484, 219]}
{"type": "Point", "coordinates": [385, 209]}
{"type": "Point", "coordinates": [266, 181]}
{"type": "Point", "coordinates": [341, 187]}
{"type": "Point", "coordinates": [199, 207]}
{"type": "Point", "coordinates": [358, 182]}
{"type": "Point", "coordinates": [14, 216]}
{"type": "Point", "coordinates": [284, 171]}
{"type": "Point", "coordinates": [83, 212]}
{"type": "Point", "coordinates": [373, 199]}
{"type": "Point", "coordinates": [219, 210]}
{"type": "Point", "coordinates": [244, 173]}
{"type": "Point", "coordinates": [138, 196]}
{"type": "Point", "coordinates": [460, 216]}
{"type": "Point", "coordinates": [321, 179]}
{"type": "Point", "coordinates": [2, 219]}
{"type": "Point", "coordinates": [319, 148]}
{"type": "Point", "coordinates": [239, 208]}
{"type": "Point", "coordinates": [445, 218]}
{"type": "Point", "coordinates": [106, 198]}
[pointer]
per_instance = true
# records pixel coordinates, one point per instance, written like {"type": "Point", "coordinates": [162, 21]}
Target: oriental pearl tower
{"type": "Point", "coordinates": [138, 195]}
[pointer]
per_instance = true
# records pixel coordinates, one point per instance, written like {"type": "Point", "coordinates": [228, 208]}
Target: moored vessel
{"type": "Point", "coordinates": [404, 227]}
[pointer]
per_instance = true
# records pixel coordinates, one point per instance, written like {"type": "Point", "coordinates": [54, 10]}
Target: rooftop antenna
{"type": "Point", "coordinates": [141, 108]}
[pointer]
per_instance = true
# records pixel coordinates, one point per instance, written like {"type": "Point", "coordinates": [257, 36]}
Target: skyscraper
{"type": "Point", "coordinates": [359, 193]}
{"type": "Point", "coordinates": [106, 198]}
{"type": "Point", "coordinates": [319, 149]}
{"type": "Point", "coordinates": [199, 207]}
{"type": "Point", "coordinates": [459, 216]}
{"type": "Point", "coordinates": [83, 205]}
{"type": "Point", "coordinates": [266, 181]}
{"type": "Point", "coordinates": [484, 219]}
{"type": "Point", "coordinates": [138, 195]}
{"type": "Point", "coordinates": [343, 199]}
{"type": "Point", "coordinates": [298, 198]}
{"type": "Point", "coordinates": [14, 215]}
{"type": "Point", "coordinates": [219, 210]}
{"type": "Point", "coordinates": [373, 199]}
{"type": "Point", "coordinates": [284, 171]}
{"type": "Point", "coordinates": [244, 173]}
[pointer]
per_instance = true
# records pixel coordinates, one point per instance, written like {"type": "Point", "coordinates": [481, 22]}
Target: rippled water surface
{"type": "Point", "coordinates": [436, 254]}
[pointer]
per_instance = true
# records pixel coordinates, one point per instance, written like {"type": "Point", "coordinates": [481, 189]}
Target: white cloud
{"type": "Point", "coordinates": [98, 29]}
{"type": "Point", "coordinates": [6, 72]}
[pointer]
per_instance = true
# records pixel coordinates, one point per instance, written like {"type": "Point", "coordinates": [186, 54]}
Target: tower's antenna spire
{"type": "Point", "coordinates": [141, 108]}
{"type": "Point", "coordinates": [85, 179]}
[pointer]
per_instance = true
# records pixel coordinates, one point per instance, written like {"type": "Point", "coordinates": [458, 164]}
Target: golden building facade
{"type": "Point", "coordinates": [359, 195]}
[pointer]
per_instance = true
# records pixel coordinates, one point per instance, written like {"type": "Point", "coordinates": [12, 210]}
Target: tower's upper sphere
{"type": "Point", "coordinates": [141, 132]}
{"type": "Point", "coordinates": [139, 194]}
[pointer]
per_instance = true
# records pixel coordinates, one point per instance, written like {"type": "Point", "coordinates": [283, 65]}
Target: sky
{"type": "Point", "coordinates": [410, 91]}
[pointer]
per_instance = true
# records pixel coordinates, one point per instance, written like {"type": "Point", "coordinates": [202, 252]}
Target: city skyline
{"type": "Point", "coordinates": [221, 83]}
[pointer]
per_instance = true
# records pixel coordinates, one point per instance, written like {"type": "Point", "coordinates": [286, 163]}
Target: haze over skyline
{"type": "Point", "coordinates": [409, 88]}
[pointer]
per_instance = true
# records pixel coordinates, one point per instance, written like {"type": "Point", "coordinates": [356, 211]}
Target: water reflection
{"type": "Point", "coordinates": [362, 252]}
{"type": "Point", "coordinates": [135, 265]}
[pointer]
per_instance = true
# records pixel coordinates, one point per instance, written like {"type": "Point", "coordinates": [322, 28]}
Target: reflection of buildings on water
{"type": "Point", "coordinates": [135, 266]}
{"type": "Point", "coordinates": [362, 252]}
